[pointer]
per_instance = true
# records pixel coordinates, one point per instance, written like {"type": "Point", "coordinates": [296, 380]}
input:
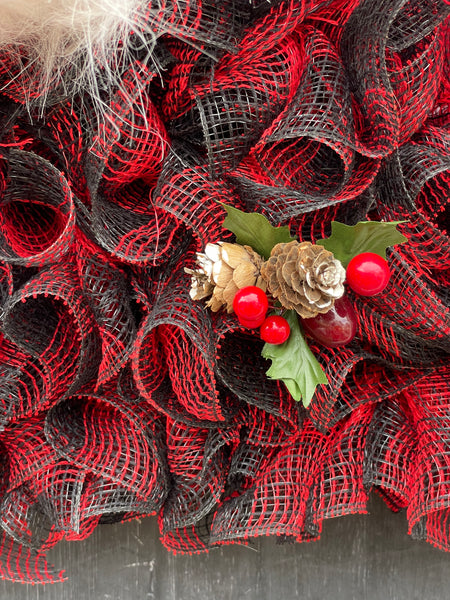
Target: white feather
{"type": "Point", "coordinates": [66, 44]}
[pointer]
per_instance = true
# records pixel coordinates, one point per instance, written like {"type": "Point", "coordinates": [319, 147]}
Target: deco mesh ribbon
{"type": "Point", "coordinates": [120, 396]}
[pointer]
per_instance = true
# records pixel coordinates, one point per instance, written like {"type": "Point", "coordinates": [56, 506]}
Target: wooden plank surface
{"type": "Point", "coordinates": [359, 557]}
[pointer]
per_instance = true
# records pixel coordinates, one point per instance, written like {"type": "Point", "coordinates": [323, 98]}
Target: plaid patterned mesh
{"type": "Point", "coordinates": [120, 396]}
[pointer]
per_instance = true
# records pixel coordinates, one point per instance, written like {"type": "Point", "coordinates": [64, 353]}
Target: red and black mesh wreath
{"type": "Point", "coordinates": [119, 395]}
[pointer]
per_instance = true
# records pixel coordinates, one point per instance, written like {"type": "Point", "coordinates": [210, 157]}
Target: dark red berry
{"type": "Point", "coordinates": [335, 328]}
{"type": "Point", "coordinates": [251, 323]}
{"type": "Point", "coordinates": [275, 330]}
{"type": "Point", "coordinates": [250, 304]}
{"type": "Point", "coordinates": [368, 274]}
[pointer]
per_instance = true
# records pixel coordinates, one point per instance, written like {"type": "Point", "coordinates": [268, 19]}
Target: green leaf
{"type": "Point", "coordinates": [253, 229]}
{"type": "Point", "coordinates": [346, 241]}
{"type": "Point", "coordinates": [295, 364]}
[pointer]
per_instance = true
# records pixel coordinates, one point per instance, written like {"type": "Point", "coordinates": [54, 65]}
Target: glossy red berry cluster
{"type": "Point", "coordinates": [368, 274]}
{"type": "Point", "coordinates": [251, 305]}
{"type": "Point", "coordinates": [275, 329]}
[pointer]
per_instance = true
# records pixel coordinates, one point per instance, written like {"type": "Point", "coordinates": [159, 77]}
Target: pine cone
{"type": "Point", "coordinates": [304, 277]}
{"type": "Point", "coordinates": [223, 269]}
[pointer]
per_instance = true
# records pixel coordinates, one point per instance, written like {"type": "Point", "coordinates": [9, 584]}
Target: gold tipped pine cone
{"type": "Point", "coordinates": [304, 277]}
{"type": "Point", "coordinates": [222, 270]}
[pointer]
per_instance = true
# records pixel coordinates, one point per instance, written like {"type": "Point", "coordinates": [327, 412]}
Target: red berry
{"type": "Point", "coordinates": [251, 323]}
{"type": "Point", "coordinates": [250, 303]}
{"type": "Point", "coordinates": [368, 274]}
{"type": "Point", "coordinates": [335, 328]}
{"type": "Point", "coordinates": [275, 330]}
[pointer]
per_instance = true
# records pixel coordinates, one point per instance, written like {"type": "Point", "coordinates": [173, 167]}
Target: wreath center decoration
{"type": "Point", "coordinates": [304, 281]}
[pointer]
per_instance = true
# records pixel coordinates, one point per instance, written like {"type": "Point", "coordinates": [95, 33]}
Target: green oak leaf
{"type": "Point", "coordinates": [295, 364]}
{"type": "Point", "coordinates": [253, 229]}
{"type": "Point", "coordinates": [347, 241]}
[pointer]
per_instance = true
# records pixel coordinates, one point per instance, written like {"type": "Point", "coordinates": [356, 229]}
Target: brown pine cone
{"type": "Point", "coordinates": [222, 270]}
{"type": "Point", "coordinates": [304, 277]}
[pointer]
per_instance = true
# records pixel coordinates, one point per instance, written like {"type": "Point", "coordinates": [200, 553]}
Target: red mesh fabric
{"type": "Point", "coordinates": [119, 445]}
{"type": "Point", "coordinates": [23, 383]}
{"type": "Point", "coordinates": [20, 564]}
{"type": "Point", "coordinates": [50, 318]}
{"type": "Point", "coordinates": [391, 447]}
{"type": "Point", "coordinates": [37, 217]}
{"type": "Point", "coordinates": [199, 461]}
{"type": "Point", "coordinates": [189, 193]}
{"type": "Point", "coordinates": [105, 286]}
{"type": "Point", "coordinates": [430, 492]}
{"type": "Point", "coordinates": [325, 136]}
{"type": "Point", "coordinates": [133, 129]}
{"type": "Point", "coordinates": [278, 499]}
{"type": "Point", "coordinates": [309, 479]}
{"type": "Point", "coordinates": [119, 395]}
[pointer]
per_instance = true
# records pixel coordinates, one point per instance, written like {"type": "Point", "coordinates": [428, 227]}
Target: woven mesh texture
{"type": "Point", "coordinates": [121, 397]}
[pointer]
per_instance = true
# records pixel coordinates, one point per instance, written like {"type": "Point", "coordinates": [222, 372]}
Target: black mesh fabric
{"type": "Point", "coordinates": [120, 396]}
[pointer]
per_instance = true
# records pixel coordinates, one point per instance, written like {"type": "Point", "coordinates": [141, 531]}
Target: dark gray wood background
{"type": "Point", "coordinates": [358, 557]}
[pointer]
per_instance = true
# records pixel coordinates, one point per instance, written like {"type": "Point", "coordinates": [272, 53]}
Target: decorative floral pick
{"type": "Point", "coordinates": [303, 282]}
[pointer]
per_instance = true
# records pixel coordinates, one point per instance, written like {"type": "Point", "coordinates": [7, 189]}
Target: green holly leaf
{"type": "Point", "coordinates": [253, 229]}
{"type": "Point", "coordinates": [347, 241]}
{"type": "Point", "coordinates": [295, 364]}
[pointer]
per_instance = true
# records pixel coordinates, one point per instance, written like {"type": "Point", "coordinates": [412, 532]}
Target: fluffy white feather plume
{"type": "Point", "coordinates": [66, 44]}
